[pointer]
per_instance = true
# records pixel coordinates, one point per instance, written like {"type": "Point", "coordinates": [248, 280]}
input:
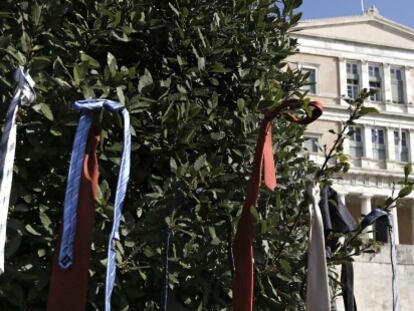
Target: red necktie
{"type": "Point", "coordinates": [68, 287]}
{"type": "Point", "coordinates": [263, 168]}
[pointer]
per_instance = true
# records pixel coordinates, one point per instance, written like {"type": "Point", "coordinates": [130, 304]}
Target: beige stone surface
{"type": "Point", "coordinates": [322, 128]}
{"type": "Point", "coordinates": [327, 74]}
{"type": "Point", "coordinates": [373, 280]}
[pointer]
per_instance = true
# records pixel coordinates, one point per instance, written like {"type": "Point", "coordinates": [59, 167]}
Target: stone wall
{"type": "Point", "coordinates": [373, 282]}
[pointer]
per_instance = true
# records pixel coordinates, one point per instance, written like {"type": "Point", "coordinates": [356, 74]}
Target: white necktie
{"type": "Point", "coordinates": [23, 95]}
{"type": "Point", "coordinates": [317, 296]}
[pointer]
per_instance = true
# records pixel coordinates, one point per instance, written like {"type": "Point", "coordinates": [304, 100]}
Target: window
{"type": "Point", "coordinates": [397, 85]}
{"type": "Point", "coordinates": [355, 142]}
{"type": "Point", "coordinates": [401, 146]}
{"type": "Point", "coordinates": [311, 80]}
{"type": "Point", "coordinates": [375, 82]}
{"type": "Point", "coordinates": [352, 80]}
{"type": "Point", "coordinates": [311, 144]}
{"type": "Point", "coordinates": [378, 143]}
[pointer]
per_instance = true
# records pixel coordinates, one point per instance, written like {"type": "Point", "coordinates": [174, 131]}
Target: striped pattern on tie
{"type": "Point", "coordinates": [395, 299]}
{"type": "Point", "coordinates": [23, 95]}
{"type": "Point", "coordinates": [66, 258]}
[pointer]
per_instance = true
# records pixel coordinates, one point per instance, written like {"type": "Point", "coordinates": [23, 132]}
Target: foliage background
{"type": "Point", "coordinates": [196, 77]}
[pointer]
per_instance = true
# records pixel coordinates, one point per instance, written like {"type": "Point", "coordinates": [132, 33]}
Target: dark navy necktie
{"type": "Point", "coordinates": [66, 256]}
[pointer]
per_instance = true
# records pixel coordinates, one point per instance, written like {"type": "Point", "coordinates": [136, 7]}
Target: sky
{"type": "Point", "coordinates": [400, 11]}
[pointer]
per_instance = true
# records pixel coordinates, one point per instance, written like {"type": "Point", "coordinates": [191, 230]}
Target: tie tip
{"type": "Point", "coordinates": [65, 262]}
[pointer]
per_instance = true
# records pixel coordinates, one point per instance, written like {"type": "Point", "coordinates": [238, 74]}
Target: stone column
{"type": "Point", "coordinates": [367, 142]}
{"type": "Point", "coordinates": [365, 210]}
{"type": "Point", "coordinates": [346, 141]}
{"type": "Point", "coordinates": [390, 145]}
{"type": "Point", "coordinates": [342, 79]}
{"type": "Point", "coordinates": [364, 75]}
{"type": "Point", "coordinates": [395, 225]}
{"type": "Point", "coordinates": [412, 222]}
{"type": "Point", "coordinates": [408, 85]}
{"type": "Point", "coordinates": [411, 145]}
{"type": "Point", "coordinates": [387, 84]}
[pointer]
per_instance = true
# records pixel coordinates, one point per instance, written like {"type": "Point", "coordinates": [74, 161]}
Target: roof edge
{"type": "Point", "coordinates": [352, 19]}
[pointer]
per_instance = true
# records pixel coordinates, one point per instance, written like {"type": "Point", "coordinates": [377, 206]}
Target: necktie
{"type": "Point", "coordinates": [368, 220]}
{"type": "Point", "coordinates": [337, 219]}
{"type": "Point", "coordinates": [263, 168]}
{"type": "Point", "coordinates": [347, 284]}
{"type": "Point", "coordinates": [23, 95]}
{"type": "Point", "coordinates": [72, 189]}
{"type": "Point", "coordinates": [68, 287]}
{"type": "Point", "coordinates": [317, 296]}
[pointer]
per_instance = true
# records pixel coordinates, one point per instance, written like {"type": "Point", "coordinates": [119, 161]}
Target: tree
{"type": "Point", "coordinates": [196, 77]}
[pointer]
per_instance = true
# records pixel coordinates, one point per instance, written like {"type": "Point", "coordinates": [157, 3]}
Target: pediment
{"type": "Point", "coordinates": [373, 30]}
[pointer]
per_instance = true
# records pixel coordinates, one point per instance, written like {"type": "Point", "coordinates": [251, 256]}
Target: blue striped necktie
{"type": "Point", "coordinates": [86, 107]}
{"type": "Point", "coordinates": [368, 220]}
{"type": "Point", "coordinates": [23, 95]}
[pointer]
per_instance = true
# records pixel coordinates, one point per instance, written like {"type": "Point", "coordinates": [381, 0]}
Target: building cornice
{"type": "Point", "coordinates": [356, 19]}
{"type": "Point", "coordinates": [309, 28]}
{"type": "Point", "coordinates": [340, 113]}
{"type": "Point", "coordinates": [354, 42]}
{"type": "Point", "coordinates": [354, 50]}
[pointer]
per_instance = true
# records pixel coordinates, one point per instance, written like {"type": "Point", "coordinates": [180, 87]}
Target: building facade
{"type": "Point", "coordinates": [342, 56]}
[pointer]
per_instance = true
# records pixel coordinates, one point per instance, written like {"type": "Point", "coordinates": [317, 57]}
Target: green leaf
{"type": "Point", "coordinates": [78, 74]}
{"type": "Point", "coordinates": [41, 252]}
{"type": "Point", "coordinates": [120, 94]}
{"type": "Point", "coordinates": [343, 158]}
{"type": "Point", "coordinates": [214, 239]}
{"type": "Point", "coordinates": [369, 110]}
{"type": "Point", "coordinates": [173, 165]}
{"type": "Point", "coordinates": [46, 111]}
{"type": "Point", "coordinates": [407, 171]}
{"type": "Point", "coordinates": [201, 63]}
{"type": "Point", "coordinates": [36, 13]}
{"type": "Point", "coordinates": [200, 162]}
{"type": "Point", "coordinates": [25, 42]}
{"type": "Point", "coordinates": [173, 9]}
{"type": "Point", "coordinates": [92, 62]}
{"type": "Point", "coordinates": [218, 135]}
{"type": "Point", "coordinates": [266, 104]}
{"type": "Point", "coordinates": [405, 191]}
{"type": "Point", "coordinates": [241, 103]}
{"type": "Point", "coordinates": [40, 62]}
{"type": "Point", "coordinates": [31, 230]}
{"type": "Point", "coordinates": [112, 64]}
{"type": "Point", "coordinates": [45, 220]}
{"type": "Point", "coordinates": [145, 82]}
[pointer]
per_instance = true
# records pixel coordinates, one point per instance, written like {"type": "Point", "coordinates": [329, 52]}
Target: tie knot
{"type": "Point", "coordinates": [26, 84]}
{"type": "Point", "coordinates": [313, 193]}
{"type": "Point", "coordinates": [94, 104]}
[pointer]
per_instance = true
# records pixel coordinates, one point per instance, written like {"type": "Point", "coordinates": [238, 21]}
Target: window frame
{"type": "Point", "coordinates": [377, 147]}
{"type": "Point", "coordinates": [379, 96]}
{"type": "Point", "coordinates": [402, 155]}
{"type": "Point", "coordinates": [310, 136]}
{"type": "Point", "coordinates": [355, 144]}
{"type": "Point", "coordinates": [308, 87]}
{"type": "Point", "coordinates": [402, 100]}
{"type": "Point", "coordinates": [355, 88]}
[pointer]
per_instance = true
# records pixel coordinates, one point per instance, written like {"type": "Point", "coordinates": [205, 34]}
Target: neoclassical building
{"type": "Point", "coordinates": [344, 55]}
